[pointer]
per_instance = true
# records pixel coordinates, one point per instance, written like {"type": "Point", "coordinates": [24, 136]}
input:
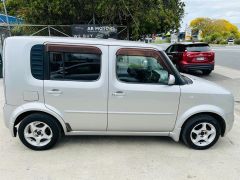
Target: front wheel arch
{"type": "Point", "coordinates": [214, 115]}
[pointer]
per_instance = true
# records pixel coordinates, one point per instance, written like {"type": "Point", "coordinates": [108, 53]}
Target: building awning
{"type": "Point", "coordinates": [11, 19]}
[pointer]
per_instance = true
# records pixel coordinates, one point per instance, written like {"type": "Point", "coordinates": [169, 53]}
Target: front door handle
{"type": "Point", "coordinates": [118, 93]}
{"type": "Point", "coordinates": [55, 91]}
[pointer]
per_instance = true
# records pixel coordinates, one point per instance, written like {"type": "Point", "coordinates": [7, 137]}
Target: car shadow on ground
{"type": "Point", "coordinates": [197, 73]}
{"type": "Point", "coordinates": [67, 141]}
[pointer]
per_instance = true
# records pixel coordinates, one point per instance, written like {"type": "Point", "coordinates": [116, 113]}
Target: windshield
{"type": "Point", "coordinates": [198, 48]}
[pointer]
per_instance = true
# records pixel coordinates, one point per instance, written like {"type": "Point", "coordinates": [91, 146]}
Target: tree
{"type": "Point", "coordinates": [141, 16]}
{"type": "Point", "coordinates": [215, 30]}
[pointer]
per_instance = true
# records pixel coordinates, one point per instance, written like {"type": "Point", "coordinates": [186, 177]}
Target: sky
{"type": "Point", "coordinates": [217, 9]}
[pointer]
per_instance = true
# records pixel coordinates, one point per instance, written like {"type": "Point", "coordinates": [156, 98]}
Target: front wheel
{"type": "Point", "coordinates": [201, 132]}
{"type": "Point", "coordinates": [39, 131]}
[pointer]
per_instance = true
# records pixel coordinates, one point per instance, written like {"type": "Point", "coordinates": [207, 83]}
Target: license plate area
{"type": "Point", "coordinates": [200, 58]}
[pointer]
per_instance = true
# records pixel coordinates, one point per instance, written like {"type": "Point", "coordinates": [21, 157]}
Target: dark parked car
{"type": "Point", "coordinates": [192, 56]}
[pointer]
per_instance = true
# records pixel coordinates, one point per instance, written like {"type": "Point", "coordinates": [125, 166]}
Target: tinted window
{"type": "Point", "coordinates": [168, 50]}
{"type": "Point", "coordinates": [197, 47]}
{"type": "Point", "coordinates": [174, 48]}
{"type": "Point", "coordinates": [181, 48]}
{"type": "Point", "coordinates": [37, 61]}
{"type": "Point", "coordinates": [74, 66]}
{"type": "Point", "coordinates": [141, 69]}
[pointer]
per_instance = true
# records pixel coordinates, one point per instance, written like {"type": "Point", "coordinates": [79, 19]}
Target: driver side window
{"type": "Point", "coordinates": [141, 66]}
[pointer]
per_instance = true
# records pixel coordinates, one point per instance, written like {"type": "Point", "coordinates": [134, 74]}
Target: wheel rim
{"type": "Point", "coordinates": [203, 134]}
{"type": "Point", "coordinates": [38, 133]}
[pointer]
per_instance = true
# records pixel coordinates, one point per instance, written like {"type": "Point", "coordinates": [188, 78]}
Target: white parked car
{"type": "Point", "coordinates": [67, 86]}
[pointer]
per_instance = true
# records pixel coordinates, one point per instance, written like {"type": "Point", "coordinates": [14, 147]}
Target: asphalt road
{"type": "Point", "coordinates": [228, 56]}
{"type": "Point", "coordinates": [103, 158]}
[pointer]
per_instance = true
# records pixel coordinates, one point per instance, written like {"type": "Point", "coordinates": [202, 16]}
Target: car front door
{"type": "Point", "coordinates": [140, 98]}
{"type": "Point", "coordinates": [173, 51]}
{"type": "Point", "coordinates": [76, 85]}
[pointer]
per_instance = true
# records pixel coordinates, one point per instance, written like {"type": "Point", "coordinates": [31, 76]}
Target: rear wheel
{"type": "Point", "coordinates": [207, 72]}
{"type": "Point", "coordinates": [201, 132]}
{"type": "Point", "coordinates": [39, 131]}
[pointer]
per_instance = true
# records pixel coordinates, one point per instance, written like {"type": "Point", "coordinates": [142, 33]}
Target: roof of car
{"type": "Point", "coordinates": [93, 41]}
{"type": "Point", "coordinates": [190, 43]}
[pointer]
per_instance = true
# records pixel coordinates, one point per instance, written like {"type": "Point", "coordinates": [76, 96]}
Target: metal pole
{"type": "Point", "coordinates": [93, 8]}
{"type": "Point", "coordinates": [49, 31]}
{"type": "Point", "coordinates": [5, 9]}
{"type": "Point", "coordinates": [128, 37]}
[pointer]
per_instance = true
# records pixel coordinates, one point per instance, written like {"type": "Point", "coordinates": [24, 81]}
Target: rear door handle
{"type": "Point", "coordinates": [55, 91]}
{"type": "Point", "coordinates": [118, 93]}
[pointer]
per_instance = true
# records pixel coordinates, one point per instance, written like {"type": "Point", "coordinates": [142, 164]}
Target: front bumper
{"type": "Point", "coordinates": [229, 120]}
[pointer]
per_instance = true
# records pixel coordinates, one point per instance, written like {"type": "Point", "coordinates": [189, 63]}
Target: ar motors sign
{"type": "Point", "coordinates": [94, 31]}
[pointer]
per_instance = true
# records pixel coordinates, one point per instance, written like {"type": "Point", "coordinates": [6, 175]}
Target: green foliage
{"type": "Point", "coordinates": [215, 31]}
{"type": "Point", "coordinates": [237, 41]}
{"type": "Point", "coordinates": [168, 39]}
{"type": "Point", "coordinates": [159, 41]}
{"type": "Point", "coordinates": [142, 16]}
{"type": "Point", "coordinates": [215, 38]}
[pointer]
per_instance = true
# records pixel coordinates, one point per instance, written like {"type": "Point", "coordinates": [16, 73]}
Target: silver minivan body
{"type": "Point", "coordinates": [107, 105]}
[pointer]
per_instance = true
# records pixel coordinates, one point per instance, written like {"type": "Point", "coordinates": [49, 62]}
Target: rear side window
{"type": "Point", "coordinates": [37, 61]}
{"type": "Point", "coordinates": [198, 48]}
{"type": "Point", "coordinates": [82, 64]}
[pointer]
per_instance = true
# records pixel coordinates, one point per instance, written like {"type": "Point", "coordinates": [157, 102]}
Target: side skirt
{"type": "Point", "coordinates": [117, 133]}
{"type": "Point", "coordinates": [174, 134]}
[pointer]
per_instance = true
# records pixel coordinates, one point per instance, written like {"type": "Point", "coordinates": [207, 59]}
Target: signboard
{"type": "Point", "coordinates": [94, 31]}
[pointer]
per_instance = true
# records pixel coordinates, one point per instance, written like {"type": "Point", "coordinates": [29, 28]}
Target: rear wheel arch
{"type": "Point", "coordinates": [219, 119]}
{"type": "Point", "coordinates": [28, 113]}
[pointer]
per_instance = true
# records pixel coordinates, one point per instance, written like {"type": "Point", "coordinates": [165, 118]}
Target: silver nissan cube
{"type": "Point", "coordinates": [73, 86]}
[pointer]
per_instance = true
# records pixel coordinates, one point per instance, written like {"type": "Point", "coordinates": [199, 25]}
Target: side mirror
{"type": "Point", "coordinates": [170, 57]}
{"type": "Point", "coordinates": [171, 80]}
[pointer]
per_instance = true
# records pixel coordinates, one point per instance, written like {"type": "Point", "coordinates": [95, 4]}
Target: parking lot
{"type": "Point", "coordinates": [94, 157]}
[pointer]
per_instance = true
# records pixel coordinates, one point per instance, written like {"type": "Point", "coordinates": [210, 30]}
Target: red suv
{"type": "Point", "coordinates": [192, 56]}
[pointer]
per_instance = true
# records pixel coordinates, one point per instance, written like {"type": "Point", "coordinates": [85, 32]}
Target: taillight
{"type": "Point", "coordinates": [185, 56]}
{"type": "Point", "coordinates": [212, 53]}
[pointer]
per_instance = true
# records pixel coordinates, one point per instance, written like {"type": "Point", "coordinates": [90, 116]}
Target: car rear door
{"type": "Point", "coordinates": [139, 98]}
{"type": "Point", "coordinates": [76, 84]}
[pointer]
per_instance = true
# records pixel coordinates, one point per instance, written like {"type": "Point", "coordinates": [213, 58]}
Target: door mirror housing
{"type": "Point", "coordinates": [171, 80]}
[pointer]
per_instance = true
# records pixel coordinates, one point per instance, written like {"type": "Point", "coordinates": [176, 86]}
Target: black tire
{"type": "Point", "coordinates": [193, 122]}
{"type": "Point", "coordinates": [206, 72]}
{"type": "Point", "coordinates": [39, 117]}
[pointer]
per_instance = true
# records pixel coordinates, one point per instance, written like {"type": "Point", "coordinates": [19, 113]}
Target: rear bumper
{"type": "Point", "coordinates": [7, 114]}
{"type": "Point", "coordinates": [194, 67]}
